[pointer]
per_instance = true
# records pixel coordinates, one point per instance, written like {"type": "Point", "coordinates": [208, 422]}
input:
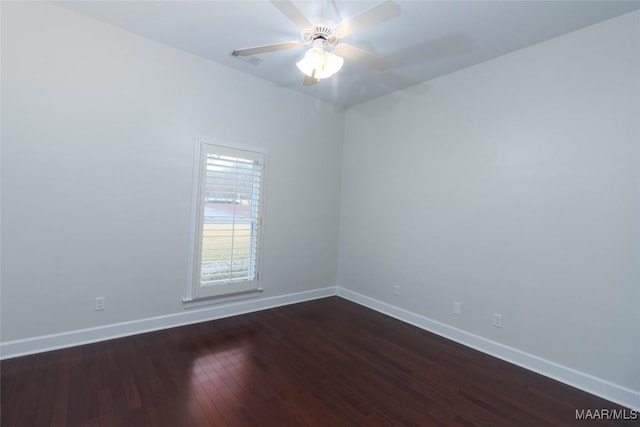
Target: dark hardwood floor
{"type": "Point", "coordinates": [327, 362]}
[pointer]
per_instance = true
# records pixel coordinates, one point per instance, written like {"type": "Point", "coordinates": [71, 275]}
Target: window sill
{"type": "Point", "coordinates": [188, 303]}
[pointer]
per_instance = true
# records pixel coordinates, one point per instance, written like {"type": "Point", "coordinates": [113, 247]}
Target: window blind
{"type": "Point", "coordinates": [230, 200]}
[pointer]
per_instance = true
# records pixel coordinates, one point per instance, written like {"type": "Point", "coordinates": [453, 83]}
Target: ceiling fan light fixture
{"type": "Point", "coordinates": [319, 63]}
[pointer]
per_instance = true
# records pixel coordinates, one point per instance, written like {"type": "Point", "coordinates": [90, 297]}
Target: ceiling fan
{"type": "Point", "coordinates": [326, 55]}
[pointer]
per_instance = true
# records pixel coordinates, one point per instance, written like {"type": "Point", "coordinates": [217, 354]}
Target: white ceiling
{"type": "Point", "coordinates": [428, 39]}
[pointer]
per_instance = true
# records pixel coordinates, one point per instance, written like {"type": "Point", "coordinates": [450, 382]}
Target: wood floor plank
{"type": "Point", "coordinates": [326, 362]}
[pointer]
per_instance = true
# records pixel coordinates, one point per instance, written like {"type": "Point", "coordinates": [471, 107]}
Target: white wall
{"type": "Point", "coordinates": [99, 129]}
{"type": "Point", "coordinates": [511, 186]}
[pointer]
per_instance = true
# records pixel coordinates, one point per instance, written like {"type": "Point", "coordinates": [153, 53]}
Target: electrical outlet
{"type": "Point", "coordinates": [100, 303]}
{"type": "Point", "coordinates": [457, 307]}
{"type": "Point", "coordinates": [497, 320]}
{"type": "Point", "coordinates": [396, 289]}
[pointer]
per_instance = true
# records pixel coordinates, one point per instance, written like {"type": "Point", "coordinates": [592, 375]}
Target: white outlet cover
{"type": "Point", "coordinates": [457, 307]}
{"type": "Point", "coordinates": [497, 320]}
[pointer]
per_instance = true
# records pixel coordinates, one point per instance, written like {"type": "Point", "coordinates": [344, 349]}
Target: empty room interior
{"type": "Point", "coordinates": [320, 213]}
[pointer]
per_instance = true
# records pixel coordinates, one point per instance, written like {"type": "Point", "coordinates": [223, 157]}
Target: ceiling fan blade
{"type": "Point", "coordinates": [356, 54]}
{"type": "Point", "coordinates": [310, 80]}
{"type": "Point", "coordinates": [370, 17]}
{"type": "Point", "coordinates": [266, 48]}
{"type": "Point", "coordinates": [290, 11]}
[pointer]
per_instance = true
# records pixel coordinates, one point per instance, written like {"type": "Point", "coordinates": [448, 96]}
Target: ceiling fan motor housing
{"type": "Point", "coordinates": [319, 32]}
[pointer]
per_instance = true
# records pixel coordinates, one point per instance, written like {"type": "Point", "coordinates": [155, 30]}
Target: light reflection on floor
{"type": "Point", "coordinates": [220, 378]}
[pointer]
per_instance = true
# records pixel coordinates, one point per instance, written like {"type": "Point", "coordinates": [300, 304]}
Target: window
{"type": "Point", "coordinates": [228, 221]}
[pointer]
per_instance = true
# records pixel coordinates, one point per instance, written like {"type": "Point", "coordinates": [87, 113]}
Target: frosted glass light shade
{"type": "Point", "coordinates": [325, 64]}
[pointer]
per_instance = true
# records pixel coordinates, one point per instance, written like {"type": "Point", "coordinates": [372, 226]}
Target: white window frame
{"type": "Point", "coordinates": [227, 290]}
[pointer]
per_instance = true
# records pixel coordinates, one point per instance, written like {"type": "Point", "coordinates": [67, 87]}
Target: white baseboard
{"type": "Point", "coordinates": [597, 386]}
{"type": "Point", "coordinates": [10, 349]}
